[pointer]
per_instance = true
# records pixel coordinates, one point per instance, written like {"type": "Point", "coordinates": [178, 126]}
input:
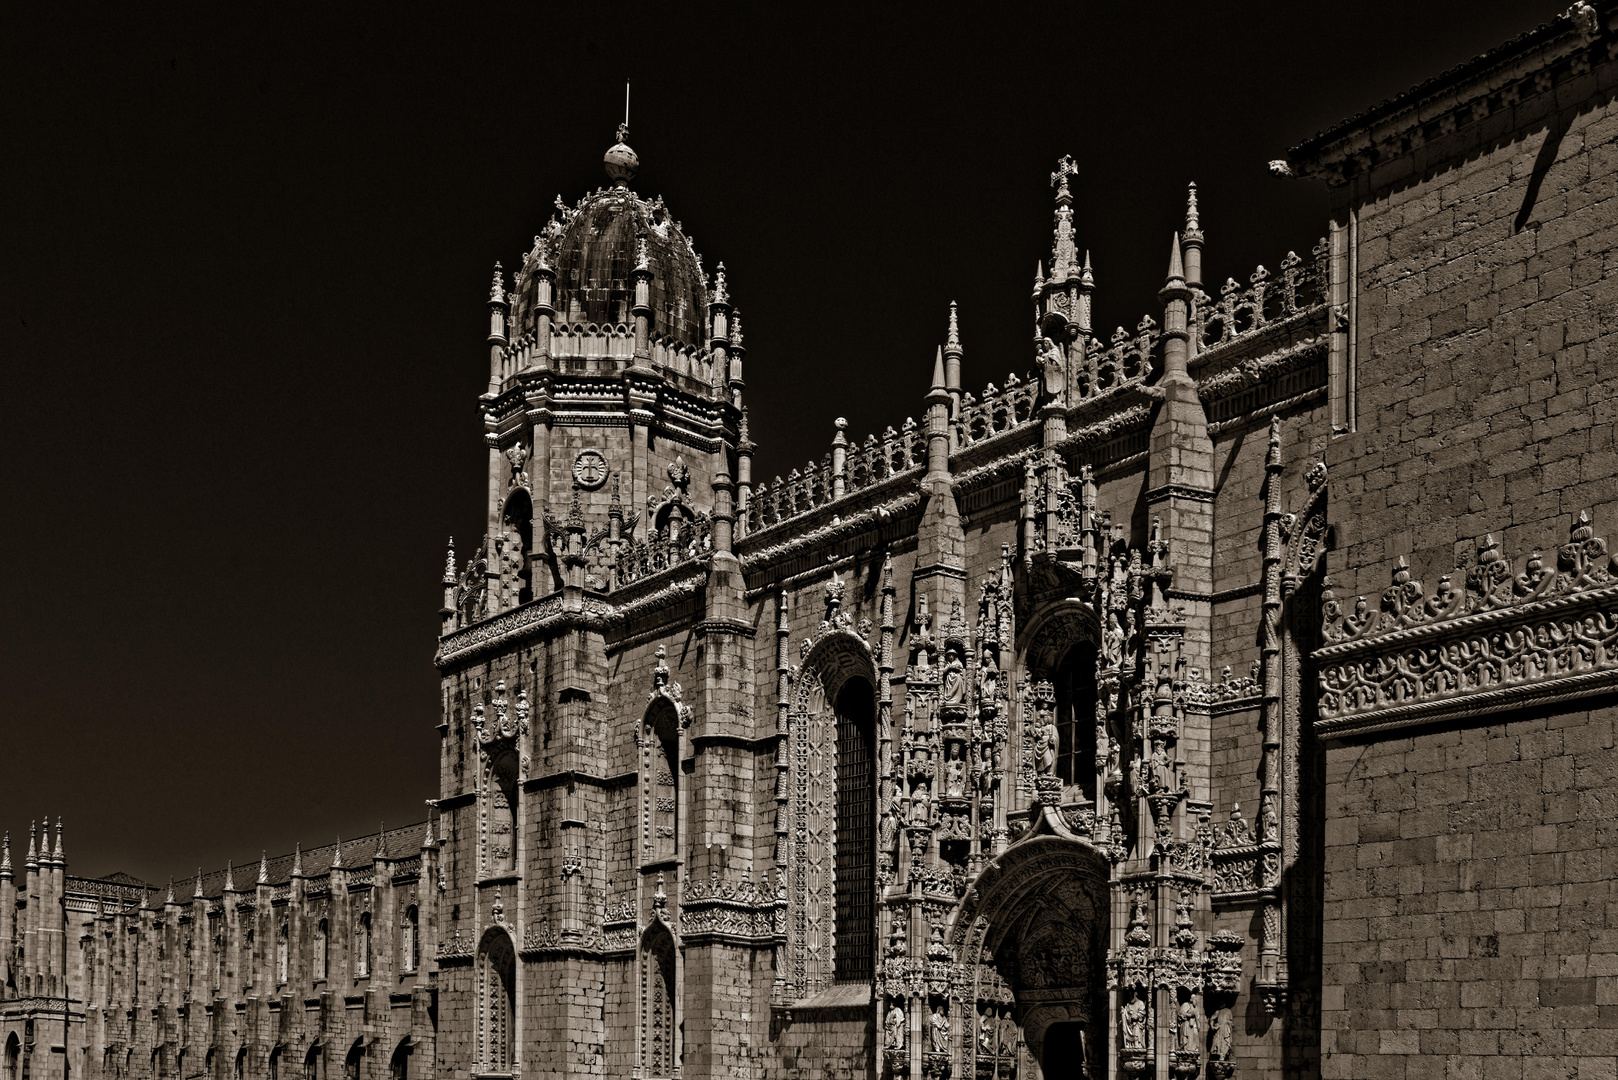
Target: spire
{"type": "Point", "coordinates": [1086, 276]}
{"type": "Point", "coordinates": [297, 860]}
{"type": "Point", "coordinates": [938, 370]}
{"type": "Point", "coordinates": [196, 894]}
{"type": "Point", "coordinates": [230, 877]}
{"type": "Point", "coordinates": [33, 858]}
{"type": "Point", "coordinates": [381, 840]}
{"type": "Point", "coordinates": [1193, 239]}
{"type": "Point", "coordinates": [56, 856]}
{"type": "Point", "coordinates": [1176, 267]}
{"type": "Point", "coordinates": [497, 291]}
{"type": "Point", "coordinates": [954, 339]}
{"type": "Point", "coordinates": [337, 854]}
{"type": "Point", "coordinates": [169, 899]}
{"type": "Point", "coordinates": [449, 564]}
{"type": "Point", "coordinates": [720, 294]}
{"type": "Point", "coordinates": [5, 856]}
{"type": "Point", "coordinates": [263, 868]}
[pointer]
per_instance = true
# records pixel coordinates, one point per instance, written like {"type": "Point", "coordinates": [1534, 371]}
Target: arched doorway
{"type": "Point", "coordinates": [497, 988]}
{"type": "Point", "coordinates": [1033, 932]}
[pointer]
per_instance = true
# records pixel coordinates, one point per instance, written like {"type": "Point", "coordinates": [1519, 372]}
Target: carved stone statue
{"type": "Point", "coordinates": [1133, 1022]}
{"type": "Point", "coordinates": [1219, 1048]}
{"type": "Point", "coordinates": [954, 688]}
{"type": "Point", "coordinates": [1190, 1028]}
{"type": "Point", "coordinates": [896, 939]}
{"type": "Point", "coordinates": [1236, 830]}
{"type": "Point", "coordinates": [1008, 1036]}
{"type": "Point", "coordinates": [956, 772]}
{"type": "Point", "coordinates": [1269, 821]}
{"type": "Point", "coordinates": [985, 1035]}
{"type": "Point", "coordinates": [896, 1028]}
{"type": "Point", "coordinates": [918, 804]}
{"type": "Point", "coordinates": [1045, 742]}
{"type": "Point", "coordinates": [1053, 367]}
{"type": "Point", "coordinates": [988, 680]}
{"type": "Point", "coordinates": [940, 1028]}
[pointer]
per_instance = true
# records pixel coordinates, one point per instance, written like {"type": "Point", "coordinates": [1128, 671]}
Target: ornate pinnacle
{"type": "Point", "coordinates": [381, 840]}
{"type": "Point", "coordinates": [230, 877]}
{"type": "Point", "coordinates": [57, 854]}
{"type": "Point", "coordinates": [196, 894]}
{"type": "Point", "coordinates": [736, 329]}
{"type": "Point", "coordinates": [449, 564]}
{"type": "Point", "coordinates": [497, 291]}
{"type": "Point", "coordinates": [720, 295]}
{"type": "Point", "coordinates": [1176, 265]}
{"type": "Point", "coordinates": [169, 899]}
{"type": "Point", "coordinates": [1064, 169]}
{"type": "Point", "coordinates": [337, 854]}
{"type": "Point", "coordinates": [953, 342]}
{"type": "Point", "coordinates": [575, 512]}
{"type": "Point", "coordinates": [5, 856]}
{"type": "Point", "coordinates": [1086, 278]}
{"type": "Point", "coordinates": [263, 868]}
{"type": "Point", "coordinates": [1193, 226]}
{"type": "Point", "coordinates": [642, 258]}
{"type": "Point", "coordinates": [33, 858]}
{"type": "Point", "coordinates": [297, 860]}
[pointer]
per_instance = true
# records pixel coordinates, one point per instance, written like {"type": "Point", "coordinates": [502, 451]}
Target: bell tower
{"type": "Point", "coordinates": [614, 402]}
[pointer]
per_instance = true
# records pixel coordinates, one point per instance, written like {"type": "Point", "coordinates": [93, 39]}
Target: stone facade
{"type": "Point", "coordinates": [1231, 694]}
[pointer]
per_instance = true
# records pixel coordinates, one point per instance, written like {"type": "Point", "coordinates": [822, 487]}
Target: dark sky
{"type": "Point", "coordinates": [242, 316]}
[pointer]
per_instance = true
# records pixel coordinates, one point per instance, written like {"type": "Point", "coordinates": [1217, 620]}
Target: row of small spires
{"type": "Point", "coordinates": [37, 853]}
{"type": "Point", "coordinates": [297, 862]}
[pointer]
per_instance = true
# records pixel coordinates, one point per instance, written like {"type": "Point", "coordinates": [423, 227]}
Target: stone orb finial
{"type": "Point", "coordinates": [620, 161]}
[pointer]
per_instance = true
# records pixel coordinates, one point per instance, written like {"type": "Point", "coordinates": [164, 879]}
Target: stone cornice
{"type": "Point", "coordinates": [1498, 641]}
{"type": "Point", "coordinates": [1503, 79]}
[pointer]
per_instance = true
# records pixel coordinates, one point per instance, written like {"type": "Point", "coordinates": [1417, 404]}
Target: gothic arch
{"type": "Point", "coordinates": [515, 541]}
{"type": "Point", "coordinates": [659, 1004]}
{"type": "Point", "coordinates": [496, 1001]}
{"type": "Point", "coordinates": [660, 745]}
{"type": "Point", "coordinates": [1062, 640]}
{"type": "Point", "coordinates": [829, 663]}
{"type": "Point", "coordinates": [1031, 933]}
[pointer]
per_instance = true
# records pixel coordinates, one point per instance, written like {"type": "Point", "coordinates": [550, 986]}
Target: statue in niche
{"type": "Point", "coordinates": [1045, 741]}
{"type": "Point", "coordinates": [940, 1025]}
{"type": "Point", "coordinates": [985, 1034]}
{"type": "Point", "coordinates": [988, 680]}
{"type": "Point", "coordinates": [1008, 1035]}
{"type": "Point", "coordinates": [896, 1027]}
{"type": "Point", "coordinates": [1053, 366]}
{"type": "Point", "coordinates": [888, 827]}
{"type": "Point", "coordinates": [1133, 1021]}
{"type": "Point", "coordinates": [918, 804]}
{"type": "Point", "coordinates": [954, 691]}
{"type": "Point", "coordinates": [1220, 1045]}
{"type": "Point", "coordinates": [1190, 1029]}
{"type": "Point", "coordinates": [956, 772]}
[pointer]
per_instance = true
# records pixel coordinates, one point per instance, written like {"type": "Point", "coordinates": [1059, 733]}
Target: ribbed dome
{"type": "Point", "coordinates": [592, 248]}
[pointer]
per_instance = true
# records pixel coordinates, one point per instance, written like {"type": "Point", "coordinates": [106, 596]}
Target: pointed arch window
{"type": "Point", "coordinates": [516, 538]}
{"type": "Point", "coordinates": [409, 949]}
{"type": "Point", "coordinates": [853, 959]}
{"type": "Point", "coordinates": [497, 979]}
{"type": "Point", "coordinates": [320, 949]}
{"type": "Point", "coordinates": [275, 1063]}
{"type": "Point", "coordinates": [311, 1063]}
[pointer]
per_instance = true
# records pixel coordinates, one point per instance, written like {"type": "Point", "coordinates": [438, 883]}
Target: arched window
{"type": "Point", "coordinates": [1076, 719]}
{"type": "Point", "coordinates": [241, 1063]}
{"type": "Point", "coordinates": [497, 986]}
{"type": "Point", "coordinates": [281, 953]}
{"type": "Point", "coordinates": [320, 949]}
{"type": "Point", "coordinates": [362, 946]}
{"type": "Point", "coordinates": [13, 1057]}
{"type": "Point", "coordinates": [658, 1022]}
{"type": "Point", "coordinates": [351, 1064]}
{"type": "Point", "coordinates": [501, 842]}
{"type": "Point", "coordinates": [853, 960]}
{"type": "Point", "coordinates": [662, 744]}
{"type": "Point", "coordinates": [516, 538]}
{"type": "Point", "coordinates": [399, 1067]}
{"type": "Point", "coordinates": [179, 1064]}
{"type": "Point", "coordinates": [409, 949]}
{"type": "Point", "coordinates": [274, 1069]}
{"type": "Point", "coordinates": [311, 1063]}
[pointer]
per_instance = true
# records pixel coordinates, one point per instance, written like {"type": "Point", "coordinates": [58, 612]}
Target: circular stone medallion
{"type": "Point", "coordinates": [590, 469]}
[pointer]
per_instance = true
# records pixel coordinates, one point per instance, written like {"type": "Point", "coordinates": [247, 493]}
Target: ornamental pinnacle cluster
{"type": "Point", "coordinates": [1233, 694]}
